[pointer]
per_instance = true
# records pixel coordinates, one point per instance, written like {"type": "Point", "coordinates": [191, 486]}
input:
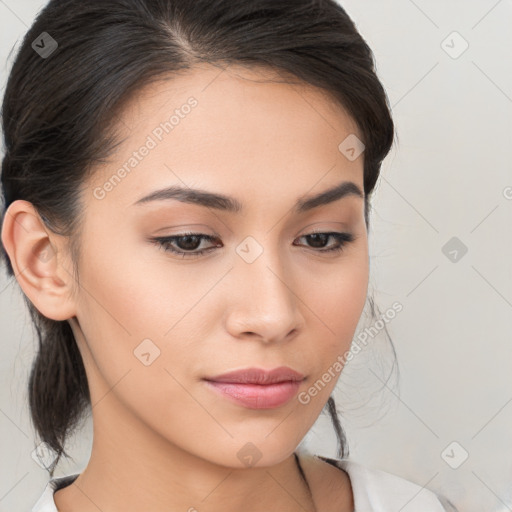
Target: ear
{"type": "Point", "coordinates": [38, 258]}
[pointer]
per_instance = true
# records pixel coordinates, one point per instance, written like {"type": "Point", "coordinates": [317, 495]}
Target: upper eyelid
{"type": "Point", "coordinates": [206, 236]}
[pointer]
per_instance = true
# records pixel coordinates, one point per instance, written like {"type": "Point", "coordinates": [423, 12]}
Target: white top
{"type": "Point", "coordinates": [374, 491]}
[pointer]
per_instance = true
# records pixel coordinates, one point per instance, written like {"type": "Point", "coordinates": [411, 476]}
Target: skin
{"type": "Point", "coordinates": [162, 439]}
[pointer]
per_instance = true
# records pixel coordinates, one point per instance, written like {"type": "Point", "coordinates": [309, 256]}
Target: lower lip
{"type": "Point", "coordinates": [255, 396]}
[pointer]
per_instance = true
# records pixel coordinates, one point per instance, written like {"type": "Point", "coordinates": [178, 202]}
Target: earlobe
{"type": "Point", "coordinates": [37, 257]}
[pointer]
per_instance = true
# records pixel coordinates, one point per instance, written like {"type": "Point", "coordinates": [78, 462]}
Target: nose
{"type": "Point", "coordinates": [263, 301]}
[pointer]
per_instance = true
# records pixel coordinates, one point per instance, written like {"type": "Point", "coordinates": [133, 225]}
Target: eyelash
{"type": "Point", "coordinates": [165, 242]}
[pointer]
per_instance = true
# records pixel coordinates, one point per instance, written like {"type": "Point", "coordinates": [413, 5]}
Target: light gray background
{"type": "Point", "coordinates": [449, 176]}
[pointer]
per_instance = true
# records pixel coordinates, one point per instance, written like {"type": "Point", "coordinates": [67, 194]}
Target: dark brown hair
{"type": "Point", "coordinates": [59, 118]}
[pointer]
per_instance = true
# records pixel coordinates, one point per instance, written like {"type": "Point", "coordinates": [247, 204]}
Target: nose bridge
{"type": "Point", "coordinates": [266, 303]}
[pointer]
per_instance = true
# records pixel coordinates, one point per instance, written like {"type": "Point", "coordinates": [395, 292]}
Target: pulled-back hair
{"type": "Point", "coordinates": [59, 119]}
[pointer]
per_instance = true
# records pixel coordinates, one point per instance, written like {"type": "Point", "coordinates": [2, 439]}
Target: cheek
{"type": "Point", "coordinates": [125, 315]}
{"type": "Point", "coordinates": [337, 304]}
{"type": "Point", "coordinates": [139, 309]}
{"type": "Point", "coordinates": [134, 294]}
{"type": "Point", "coordinates": [339, 297]}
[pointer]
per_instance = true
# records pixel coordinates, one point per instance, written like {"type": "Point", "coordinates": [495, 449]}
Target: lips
{"type": "Point", "coordinates": [259, 376]}
{"type": "Point", "coordinates": [255, 388]}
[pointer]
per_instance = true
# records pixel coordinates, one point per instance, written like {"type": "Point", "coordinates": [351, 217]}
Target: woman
{"type": "Point", "coordinates": [186, 189]}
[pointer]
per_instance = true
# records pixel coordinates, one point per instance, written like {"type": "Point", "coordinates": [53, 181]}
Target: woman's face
{"type": "Point", "coordinates": [153, 325]}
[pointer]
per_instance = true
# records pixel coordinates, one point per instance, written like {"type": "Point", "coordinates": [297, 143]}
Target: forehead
{"type": "Point", "coordinates": [245, 127]}
{"type": "Point", "coordinates": [240, 87]}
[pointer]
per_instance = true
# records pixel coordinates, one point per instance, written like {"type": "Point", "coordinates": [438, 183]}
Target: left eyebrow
{"type": "Point", "coordinates": [232, 205]}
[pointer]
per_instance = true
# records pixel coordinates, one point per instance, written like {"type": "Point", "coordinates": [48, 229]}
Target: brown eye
{"type": "Point", "coordinates": [319, 240]}
{"type": "Point", "coordinates": [187, 244]}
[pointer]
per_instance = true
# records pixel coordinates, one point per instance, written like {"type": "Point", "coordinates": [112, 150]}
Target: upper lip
{"type": "Point", "coordinates": [259, 376]}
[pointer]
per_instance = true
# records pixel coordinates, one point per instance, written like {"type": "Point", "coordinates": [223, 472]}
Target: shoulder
{"type": "Point", "coordinates": [374, 489]}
